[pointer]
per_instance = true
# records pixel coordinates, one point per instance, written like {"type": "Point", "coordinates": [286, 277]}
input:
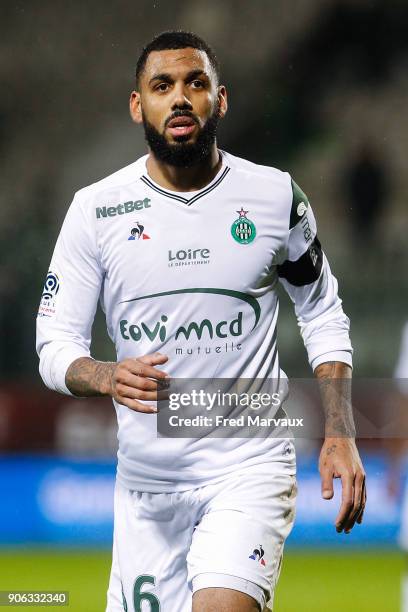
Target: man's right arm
{"type": "Point", "coordinates": [70, 298]}
{"type": "Point", "coordinates": [130, 382]}
{"type": "Point", "coordinates": [65, 319]}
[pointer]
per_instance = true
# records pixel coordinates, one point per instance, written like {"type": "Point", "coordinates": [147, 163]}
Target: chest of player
{"type": "Point", "coordinates": [155, 244]}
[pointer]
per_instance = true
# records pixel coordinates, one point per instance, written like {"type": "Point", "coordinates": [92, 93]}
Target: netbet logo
{"type": "Point", "coordinates": [122, 209]}
{"type": "Point", "coordinates": [188, 257]}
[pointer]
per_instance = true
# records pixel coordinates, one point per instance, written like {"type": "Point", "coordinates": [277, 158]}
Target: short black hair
{"type": "Point", "coordinates": [176, 39]}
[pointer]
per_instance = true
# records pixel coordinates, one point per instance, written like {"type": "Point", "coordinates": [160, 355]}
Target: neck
{"type": "Point", "coordinates": [184, 179]}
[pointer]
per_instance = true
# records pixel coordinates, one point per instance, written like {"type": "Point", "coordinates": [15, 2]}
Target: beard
{"type": "Point", "coordinates": [183, 154]}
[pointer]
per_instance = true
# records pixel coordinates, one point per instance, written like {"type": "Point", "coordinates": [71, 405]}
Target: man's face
{"type": "Point", "coordinates": [179, 103]}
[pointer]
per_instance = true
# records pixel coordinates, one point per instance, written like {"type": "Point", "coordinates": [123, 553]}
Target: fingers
{"type": "Point", "coordinates": [353, 500]}
{"type": "Point", "coordinates": [137, 380]}
{"type": "Point", "coordinates": [347, 501]}
{"type": "Point", "coordinates": [127, 379]}
{"type": "Point", "coordinates": [327, 483]}
{"type": "Point", "coordinates": [153, 359]}
{"type": "Point", "coordinates": [136, 405]}
{"type": "Point", "coordinates": [359, 518]}
{"type": "Point", "coordinates": [136, 393]}
{"type": "Point", "coordinates": [143, 366]}
{"type": "Point", "coordinates": [137, 367]}
{"type": "Point", "coordinates": [142, 389]}
{"type": "Point", "coordinates": [341, 460]}
{"type": "Point", "coordinates": [354, 497]}
{"type": "Point", "coordinates": [359, 491]}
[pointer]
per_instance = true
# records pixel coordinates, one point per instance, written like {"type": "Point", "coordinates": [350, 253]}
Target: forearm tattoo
{"type": "Point", "coordinates": [86, 377]}
{"type": "Point", "coordinates": [335, 388]}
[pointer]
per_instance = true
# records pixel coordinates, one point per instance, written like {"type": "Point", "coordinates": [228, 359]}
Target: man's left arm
{"type": "Point", "coordinates": [306, 276]}
{"type": "Point", "coordinates": [339, 457]}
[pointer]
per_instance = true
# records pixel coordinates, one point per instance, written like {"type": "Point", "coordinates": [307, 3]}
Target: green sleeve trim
{"type": "Point", "coordinates": [300, 204]}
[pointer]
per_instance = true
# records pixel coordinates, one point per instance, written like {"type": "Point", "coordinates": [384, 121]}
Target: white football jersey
{"type": "Point", "coordinates": [192, 275]}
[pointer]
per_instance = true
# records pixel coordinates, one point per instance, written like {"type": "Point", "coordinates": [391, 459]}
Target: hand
{"type": "Point", "coordinates": [131, 381]}
{"type": "Point", "coordinates": [339, 458]}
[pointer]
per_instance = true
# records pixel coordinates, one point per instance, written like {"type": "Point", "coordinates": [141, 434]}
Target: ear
{"type": "Point", "coordinates": [135, 107]}
{"type": "Point", "coordinates": [222, 100]}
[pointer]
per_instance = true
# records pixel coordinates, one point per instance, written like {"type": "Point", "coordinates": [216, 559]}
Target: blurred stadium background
{"type": "Point", "coordinates": [318, 87]}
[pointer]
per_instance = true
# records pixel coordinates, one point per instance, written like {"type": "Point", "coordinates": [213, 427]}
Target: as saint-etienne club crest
{"type": "Point", "coordinates": [243, 230]}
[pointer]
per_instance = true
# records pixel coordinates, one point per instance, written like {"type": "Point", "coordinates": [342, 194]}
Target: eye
{"type": "Point", "coordinates": [162, 87]}
{"type": "Point", "coordinates": [197, 84]}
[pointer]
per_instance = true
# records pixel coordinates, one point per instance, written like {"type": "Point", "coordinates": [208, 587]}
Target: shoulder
{"type": "Point", "coordinates": [276, 184]}
{"type": "Point", "coordinates": [257, 171]}
{"type": "Point", "coordinates": [121, 178]}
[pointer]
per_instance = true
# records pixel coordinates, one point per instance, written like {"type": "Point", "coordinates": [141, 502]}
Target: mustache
{"type": "Point", "coordinates": [182, 154]}
{"type": "Point", "coordinates": [181, 113]}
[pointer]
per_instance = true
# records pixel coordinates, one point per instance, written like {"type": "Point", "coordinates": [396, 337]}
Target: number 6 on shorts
{"type": "Point", "coordinates": [139, 596]}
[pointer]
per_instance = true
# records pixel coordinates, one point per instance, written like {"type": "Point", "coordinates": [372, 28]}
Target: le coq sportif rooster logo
{"type": "Point", "coordinates": [258, 555]}
{"type": "Point", "coordinates": [137, 233]}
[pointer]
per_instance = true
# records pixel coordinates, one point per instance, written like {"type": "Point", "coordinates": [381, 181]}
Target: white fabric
{"type": "Point", "coordinates": [401, 369]}
{"type": "Point", "coordinates": [343, 356]}
{"type": "Point", "coordinates": [226, 581]}
{"type": "Point", "coordinates": [404, 593]}
{"type": "Point", "coordinates": [323, 324]}
{"type": "Point", "coordinates": [202, 537]}
{"type": "Point", "coordinates": [214, 313]}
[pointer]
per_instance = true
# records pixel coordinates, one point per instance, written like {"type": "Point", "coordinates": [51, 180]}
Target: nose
{"type": "Point", "coordinates": [180, 99]}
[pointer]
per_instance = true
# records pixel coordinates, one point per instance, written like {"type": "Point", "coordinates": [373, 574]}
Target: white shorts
{"type": "Point", "coordinates": [403, 534]}
{"type": "Point", "coordinates": [229, 534]}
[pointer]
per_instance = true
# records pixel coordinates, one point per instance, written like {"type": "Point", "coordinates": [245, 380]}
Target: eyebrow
{"type": "Point", "coordinates": [164, 76]}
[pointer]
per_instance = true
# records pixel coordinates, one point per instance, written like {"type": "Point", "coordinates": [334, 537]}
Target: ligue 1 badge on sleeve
{"type": "Point", "coordinates": [243, 229]}
{"type": "Point", "coordinates": [49, 295]}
